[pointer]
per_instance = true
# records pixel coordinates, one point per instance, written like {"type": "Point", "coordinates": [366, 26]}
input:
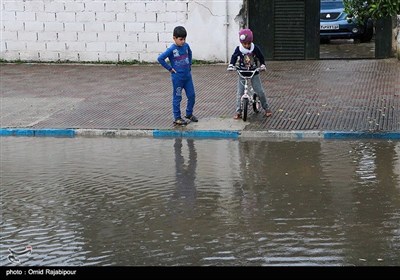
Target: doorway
{"type": "Point", "coordinates": [341, 36]}
{"type": "Point", "coordinates": [291, 30]}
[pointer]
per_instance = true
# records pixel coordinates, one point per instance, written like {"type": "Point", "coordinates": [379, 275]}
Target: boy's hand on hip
{"type": "Point", "coordinates": [172, 70]}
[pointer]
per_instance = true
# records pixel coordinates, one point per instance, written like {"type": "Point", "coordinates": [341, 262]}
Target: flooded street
{"type": "Point", "coordinates": [169, 202]}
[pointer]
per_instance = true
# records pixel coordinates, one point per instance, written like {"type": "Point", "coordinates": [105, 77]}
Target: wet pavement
{"type": "Point", "coordinates": [321, 95]}
{"type": "Point", "coordinates": [347, 49]}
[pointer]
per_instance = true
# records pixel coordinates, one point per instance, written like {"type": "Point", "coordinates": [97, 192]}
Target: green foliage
{"type": "Point", "coordinates": [375, 9]}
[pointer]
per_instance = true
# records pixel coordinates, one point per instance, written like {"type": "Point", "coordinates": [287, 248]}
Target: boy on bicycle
{"type": "Point", "coordinates": [179, 55]}
{"type": "Point", "coordinates": [249, 56]}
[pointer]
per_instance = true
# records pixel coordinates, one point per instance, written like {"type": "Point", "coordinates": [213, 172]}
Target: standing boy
{"type": "Point", "coordinates": [249, 57]}
{"type": "Point", "coordinates": [180, 67]}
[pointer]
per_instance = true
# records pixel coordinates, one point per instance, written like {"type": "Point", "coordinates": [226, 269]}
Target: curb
{"type": "Point", "coordinates": [313, 134]}
{"type": "Point", "coordinates": [46, 132]}
{"type": "Point", "coordinates": [361, 135]}
{"type": "Point", "coordinates": [204, 134]}
{"type": "Point", "coordinates": [197, 134]}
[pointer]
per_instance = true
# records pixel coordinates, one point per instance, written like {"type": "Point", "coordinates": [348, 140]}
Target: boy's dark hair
{"type": "Point", "coordinates": [180, 32]}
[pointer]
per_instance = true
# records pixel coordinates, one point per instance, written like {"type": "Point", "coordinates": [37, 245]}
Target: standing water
{"type": "Point", "coordinates": [166, 202]}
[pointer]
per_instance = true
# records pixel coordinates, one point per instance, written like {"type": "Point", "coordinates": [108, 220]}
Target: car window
{"type": "Point", "coordinates": [327, 5]}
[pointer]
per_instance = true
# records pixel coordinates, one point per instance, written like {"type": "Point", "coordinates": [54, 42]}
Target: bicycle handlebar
{"type": "Point", "coordinates": [252, 72]}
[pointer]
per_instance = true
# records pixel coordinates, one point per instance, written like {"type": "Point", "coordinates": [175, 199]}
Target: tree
{"type": "Point", "coordinates": [375, 9]}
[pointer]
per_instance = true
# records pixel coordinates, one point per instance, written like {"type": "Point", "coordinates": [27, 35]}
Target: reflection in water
{"type": "Point", "coordinates": [111, 201]}
{"type": "Point", "coordinates": [185, 173]}
{"type": "Point", "coordinates": [296, 203]}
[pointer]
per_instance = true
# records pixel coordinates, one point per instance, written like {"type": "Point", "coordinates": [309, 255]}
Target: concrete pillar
{"type": "Point", "coordinates": [398, 37]}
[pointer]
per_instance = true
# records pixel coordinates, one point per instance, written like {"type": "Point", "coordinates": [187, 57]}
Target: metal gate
{"type": "Point", "coordinates": [383, 37]}
{"type": "Point", "coordinates": [289, 29]}
{"type": "Point", "coordinates": [284, 29]}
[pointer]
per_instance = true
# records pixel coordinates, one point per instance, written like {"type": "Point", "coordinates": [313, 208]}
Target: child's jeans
{"type": "Point", "coordinates": [178, 84]}
{"type": "Point", "coordinates": [258, 88]}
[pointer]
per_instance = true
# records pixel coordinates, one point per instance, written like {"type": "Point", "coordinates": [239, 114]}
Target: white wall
{"type": "Point", "coordinates": [115, 30]}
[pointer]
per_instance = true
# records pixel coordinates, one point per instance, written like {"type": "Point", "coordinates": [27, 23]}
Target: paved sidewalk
{"type": "Point", "coordinates": [305, 96]}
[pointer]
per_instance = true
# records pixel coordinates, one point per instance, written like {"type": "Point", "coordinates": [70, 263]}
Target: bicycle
{"type": "Point", "coordinates": [249, 95]}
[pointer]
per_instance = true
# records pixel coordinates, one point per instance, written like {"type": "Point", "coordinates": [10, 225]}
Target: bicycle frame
{"type": "Point", "coordinates": [247, 98]}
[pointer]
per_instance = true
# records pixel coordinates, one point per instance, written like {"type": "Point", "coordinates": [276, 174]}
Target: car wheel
{"type": "Point", "coordinates": [368, 34]}
{"type": "Point", "coordinates": [324, 41]}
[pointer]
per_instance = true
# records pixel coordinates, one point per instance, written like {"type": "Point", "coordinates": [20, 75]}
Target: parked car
{"type": "Point", "coordinates": [336, 24]}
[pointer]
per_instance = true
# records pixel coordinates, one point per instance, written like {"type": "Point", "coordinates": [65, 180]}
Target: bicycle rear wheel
{"type": "Point", "coordinates": [245, 107]}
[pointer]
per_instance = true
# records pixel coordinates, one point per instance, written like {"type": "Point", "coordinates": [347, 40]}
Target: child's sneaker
{"type": "Point", "coordinates": [180, 122]}
{"type": "Point", "coordinates": [192, 118]}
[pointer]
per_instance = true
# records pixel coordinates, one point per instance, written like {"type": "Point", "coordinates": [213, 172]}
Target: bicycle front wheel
{"type": "Point", "coordinates": [256, 103]}
{"type": "Point", "coordinates": [245, 107]}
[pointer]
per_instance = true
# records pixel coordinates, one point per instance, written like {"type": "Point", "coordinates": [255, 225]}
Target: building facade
{"type": "Point", "coordinates": [139, 30]}
{"type": "Point", "coordinates": [116, 30]}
